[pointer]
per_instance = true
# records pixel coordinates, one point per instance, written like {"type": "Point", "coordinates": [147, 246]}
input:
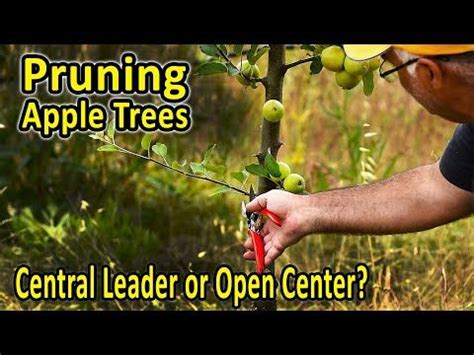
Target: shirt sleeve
{"type": "Point", "coordinates": [457, 162]}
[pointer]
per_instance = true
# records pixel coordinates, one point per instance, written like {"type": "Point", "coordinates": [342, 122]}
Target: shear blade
{"type": "Point", "coordinates": [251, 193]}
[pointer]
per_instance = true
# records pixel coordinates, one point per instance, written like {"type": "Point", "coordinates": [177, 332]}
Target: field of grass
{"type": "Point", "coordinates": [67, 205]}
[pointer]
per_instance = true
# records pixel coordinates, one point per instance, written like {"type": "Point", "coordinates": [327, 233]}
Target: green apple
{"type": "Point", "coordinates": [374, 63]}
{"type": "Point", "coordinates": [294, 183]}
{"type": "Point", "coordinates": [273, 111]}
{"type": "Point", "coordinates": [347, 81]}
{"type": "Point", "coordinates": [284, 170]}
{"type": "Point", "coordinates": [256, 72]}
{"type": "Point", "coordinates": [332, 58]}
{"type": "Point", "coordinates": [356, 67]}
{"type": "Point", "coordinates": [248, 70]}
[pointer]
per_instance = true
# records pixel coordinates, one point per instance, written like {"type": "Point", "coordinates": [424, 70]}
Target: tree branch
{"type": "Point", "coordinates": [298, 62]}
{"type": "Point", "coordinates": [182, 172]}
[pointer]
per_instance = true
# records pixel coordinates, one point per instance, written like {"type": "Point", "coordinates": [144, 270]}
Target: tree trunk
{"type": "Point", "coordinates": [270, 138]}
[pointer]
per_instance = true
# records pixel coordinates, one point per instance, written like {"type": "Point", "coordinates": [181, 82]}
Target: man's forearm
{"type": "Point", "coordinates": [415, 200]}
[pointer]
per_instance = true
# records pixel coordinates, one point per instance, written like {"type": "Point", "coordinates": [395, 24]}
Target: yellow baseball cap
{"type": "Point", "coordinates": [367, 51]}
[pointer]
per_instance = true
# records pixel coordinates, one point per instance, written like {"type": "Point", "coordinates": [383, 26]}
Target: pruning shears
{"type": "Point", "coordinates": [255, 224]}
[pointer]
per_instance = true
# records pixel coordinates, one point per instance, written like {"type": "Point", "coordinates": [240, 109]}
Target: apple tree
{"type": "Point", "coordinates": [241, 62]}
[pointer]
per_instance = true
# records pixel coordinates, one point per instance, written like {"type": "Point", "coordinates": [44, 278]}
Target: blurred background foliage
{"type": "Point", "coordinates": [67, 205]}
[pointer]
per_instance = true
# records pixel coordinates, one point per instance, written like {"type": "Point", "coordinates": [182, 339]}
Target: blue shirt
{"type": "Point", "coordinates": [457, 163]}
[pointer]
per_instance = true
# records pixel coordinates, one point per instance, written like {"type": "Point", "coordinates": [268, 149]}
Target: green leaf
{"type": "Point", "coordinates": [108, 148]}
{"type": "Point", "coordinates": [223, 48]}
{"type": "Point", "coordinates": [251, 52]}
{"type": "Point", "coordinates": [240, 176]}
{"type": "Point", "coordinates": [256, 169]}
{"type": "Point", "coordinates": [308, 47]}
{"type": "Point", "coordinates": [368, 80]}
{"type": "Point", "coordinates": [318, 49]}
{"type": "Point", "coordinates": [207, 153]}
{"type": "Point", "coordinates": [217, 169]}
{"type": "Point", "coordinates": [316, 66]}
{"type": "Point", "coordinates": [198, 168]}
{"type": "Point", "coordinates": [220, 190]}
{"type": "Point", "coordinates": [272, 166]}
{"type": "Point", "coordinates": [95, 136]}
{"type": "Point", "coordinates": [260, 52]}
{"type": "Point", "coordinates": [160, 149]}
{"type": "Point", "coordinates": [111, 129]}
{"type": "Point", "coordinates": [209, 49]}
{"type": "Point", "coordinates": [231, 69]}
{"type": "Point", "coordinates": [253, 49]}
{"type": "Point", "coordinates": [178, 166]}
{"type": "Point", "coordinates": [146, 141]}
{"type": "Point", "coordinates": [238, 49]}
{"type": "Point", "coordinates": [211, 68]}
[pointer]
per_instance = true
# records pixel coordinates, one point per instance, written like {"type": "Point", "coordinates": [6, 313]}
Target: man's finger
{"type": "Point", "coordinates": [249, 255]}
{"type": "Point", "coordinates": [248, 244]}
{"type": "Point", "coordinates": [268, 246]}
{"type": "Point", "coordinates": [265, 230]}
{"type": "Point", "coordinates": [272, 254]}
{"type": "Point", "coordinates": [257, 204]}
{"type": "Point", "coordinates": [267, 238]}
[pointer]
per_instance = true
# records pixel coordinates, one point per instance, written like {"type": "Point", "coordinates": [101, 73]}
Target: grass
{"type": "Point", "coordinates": [135, 213]}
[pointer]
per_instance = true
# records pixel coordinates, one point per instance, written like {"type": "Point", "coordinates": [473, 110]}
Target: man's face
{"type": "Point", "coordinates": [434, 87]}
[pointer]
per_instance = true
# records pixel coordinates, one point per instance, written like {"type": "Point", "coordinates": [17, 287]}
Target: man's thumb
{"type": "Point", "coordinates": [257, 204]}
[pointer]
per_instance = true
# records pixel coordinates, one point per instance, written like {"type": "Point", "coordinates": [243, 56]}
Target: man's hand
{"type": "Point", "coordinates": [415, 200]}
{"type": "Point", "coordinates": [277, 239]}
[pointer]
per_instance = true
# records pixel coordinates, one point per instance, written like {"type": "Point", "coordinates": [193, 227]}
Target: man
{"type": "Point", "coordinates": [441, 78]}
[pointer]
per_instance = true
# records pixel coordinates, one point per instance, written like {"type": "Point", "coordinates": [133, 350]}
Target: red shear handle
{"type": "Point", "coordinates": [272, 216]}
{"type": "Point", "coordinates": [258, 249]}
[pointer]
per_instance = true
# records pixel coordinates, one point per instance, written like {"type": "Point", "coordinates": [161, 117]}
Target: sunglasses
{"type": "Point", "coordinates": [384, 73]}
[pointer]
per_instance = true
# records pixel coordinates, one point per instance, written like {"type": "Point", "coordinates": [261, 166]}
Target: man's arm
{"type": "Point", "coordinates": [415, 200]}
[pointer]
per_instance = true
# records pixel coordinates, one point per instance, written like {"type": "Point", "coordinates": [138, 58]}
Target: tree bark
{"type": "Point", "coordinates": [270, 138]}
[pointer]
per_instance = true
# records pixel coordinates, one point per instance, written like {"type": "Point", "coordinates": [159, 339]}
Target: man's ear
{"type": "Point", "coordinates": [429, 73]}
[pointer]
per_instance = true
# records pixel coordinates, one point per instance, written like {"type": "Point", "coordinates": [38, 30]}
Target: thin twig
{"type": "Point", "coordinates": [298, 62]}
{"type": "Point", "coordinates": [194, 176]}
